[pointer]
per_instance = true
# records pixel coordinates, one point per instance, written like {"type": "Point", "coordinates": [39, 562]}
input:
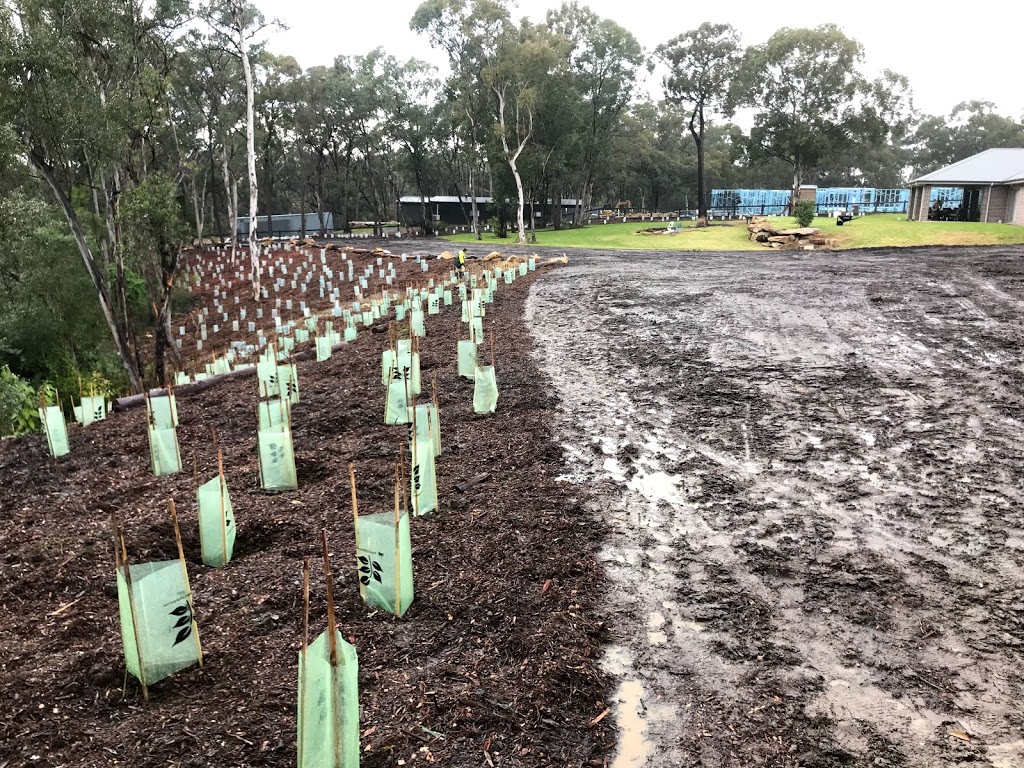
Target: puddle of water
{"type": "Point", "coordinates": [616, 660]}
{"type": "Point", "coordinates": [634, 747]}
{"type": "Point", "coordinates": [657, 486]}
{"type": "Point", "coordinates": [1007, 755]}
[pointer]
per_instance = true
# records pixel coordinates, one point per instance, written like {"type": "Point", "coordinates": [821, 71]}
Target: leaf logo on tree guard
{"type": "Point", "coordinates": [183, 624]}
{"type": "Point", "coordinates": [276, 453]}
{"type": "Point", "coordinates": [369, 569]}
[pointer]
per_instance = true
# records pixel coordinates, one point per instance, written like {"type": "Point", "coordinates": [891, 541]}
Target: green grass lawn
{"type": "Point", "coordinates": [883, 230]}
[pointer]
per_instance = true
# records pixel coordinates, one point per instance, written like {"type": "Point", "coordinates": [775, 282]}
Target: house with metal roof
{"type": "Point", "coordinates": [452, 210]}
{"type": "Point", "coordinates": [993, 190]}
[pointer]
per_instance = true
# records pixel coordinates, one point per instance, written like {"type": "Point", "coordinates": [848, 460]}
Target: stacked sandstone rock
{"type": "Point", "coordinates": [804, 238]}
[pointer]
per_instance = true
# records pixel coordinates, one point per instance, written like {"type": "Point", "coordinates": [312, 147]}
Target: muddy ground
{"type": "Point", "coordinates": [496, 662]}
{"type": "Point", "coordinates": [811, 465]}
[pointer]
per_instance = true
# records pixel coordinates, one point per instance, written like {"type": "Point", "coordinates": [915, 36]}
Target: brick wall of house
{"type": "Point", "coordinates": [995, 205]}
{"type": "Point", "coordinates": [1016, 216]}
{"type": "Point", "coordinates": [923, 202]}
{"type": "Point", "coordinates": [911, 203]}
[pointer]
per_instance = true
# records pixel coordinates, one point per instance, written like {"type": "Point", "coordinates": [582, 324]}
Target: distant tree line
{"type": "Point", "coordinates": [128, 129]}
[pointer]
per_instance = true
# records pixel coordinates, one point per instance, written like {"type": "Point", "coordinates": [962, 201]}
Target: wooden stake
{"type": "Point", "coordinates": [223, 509]}
{"type": "Point", "coordinates": [332, 641]}
{"type": "Point", "coordinates": [188, 589]}
{"type": "Point", "coordinates": [355, 520]}
{"type": "Point", "coordinates": [135, 618]}
{"type": "Point", "coordinates": [492, 347]}
{"type": "Point", "coordinates": [398, 565]}
{"type": "Point", "coordinates": [305, 645]}
{"type": "Point", "coordinates": [401, 466]}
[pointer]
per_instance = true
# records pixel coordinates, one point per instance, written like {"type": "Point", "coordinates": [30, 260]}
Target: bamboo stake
{"type": "Point", "coordinates": [188, 589]}
{"type": "Point", "coordinates": [401, 460]}
{"type": "Point", "coordinates": [398, 565]}
{"type": "Point", "coordinates": [355, 521]}
{"type": "Point", "coordinates": [492, 346]}
{"type": "Point", "coordinates": [305, 645]}
{"type": "Point", "coordinates": [223, 510]}
{"type": "Point", "coordinates": [332, 641]}
{"type": "Point", "coordinates": [131, 609]}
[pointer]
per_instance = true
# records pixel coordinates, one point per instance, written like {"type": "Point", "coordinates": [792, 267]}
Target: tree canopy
{"type": "Point", "coordinates": [129, 129]}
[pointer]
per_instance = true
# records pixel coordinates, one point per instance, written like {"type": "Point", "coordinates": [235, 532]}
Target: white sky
{"type": "Point", "coordinates": [949, 53]}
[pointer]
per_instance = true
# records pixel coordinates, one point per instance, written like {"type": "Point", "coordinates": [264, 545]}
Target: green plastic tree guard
{"type": "Point", "coordinates": [269, 378]}
{"type": "Point", "coordinates": [163, 451]}
{"type": "Point", "coordinates": [288, 375]}
{"type": "Point", "coordinates": [467, 358]}
{"type": "Point", "coordinates": [93, 409]}
{"type": "Point", "coordinates": [55, 429]}
{"type": "Point", "coordinates": [399, 394]}
{"type": "Point", "coordinates": [158, 628]}
{"type": "Point", "coordinates": [323, 347]}
{"type": "Point", "coordinates": [384, 561]}
{"type": "Point", "coordinates": [485, 390]}
{"type": "Point", "coordinates": [328, 711]}
{"type": "Point", "coordinates": [216, 522]}
{"type": "Point", "coordinates": [423, 477]}
{"type": "Point", "coordinates": [277, 460]}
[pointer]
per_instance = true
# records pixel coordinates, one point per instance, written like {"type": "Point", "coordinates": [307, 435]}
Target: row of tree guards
{"type": "Point", "coordinates": [283, 266]}
{"type": "Point", "coordinates": [277, 362]}
{"type": "Point", "coordinates": [159, 630]}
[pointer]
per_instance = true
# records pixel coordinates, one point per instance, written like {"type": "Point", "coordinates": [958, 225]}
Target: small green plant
{"type": "Point", "coordinates": [804, 212]}
{"type": "Point", "coordinates": [18, 405]}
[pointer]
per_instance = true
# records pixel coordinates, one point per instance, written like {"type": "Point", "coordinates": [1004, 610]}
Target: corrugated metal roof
{"type": "Point", "coordinates": [993, 166]}
{"type": "Point", "coordinates": [445, 199]}
{"type": "Point", "coordinates": [566, 201]}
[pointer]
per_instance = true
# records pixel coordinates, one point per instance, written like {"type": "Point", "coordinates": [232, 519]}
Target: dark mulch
{"type": "Point", "coordinates": [486, 657]}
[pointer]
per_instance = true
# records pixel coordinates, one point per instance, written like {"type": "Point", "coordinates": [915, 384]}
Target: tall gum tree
{"type": "Point", "coordinates": [807, 87]}
{"type": "Point", "coordinates": [701, 66]}
{"type": "Point", "coordinates": [468, 31]}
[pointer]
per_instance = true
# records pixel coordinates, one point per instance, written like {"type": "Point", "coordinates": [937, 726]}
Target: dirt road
{"type": "Point", "coordinates": [812, 468]}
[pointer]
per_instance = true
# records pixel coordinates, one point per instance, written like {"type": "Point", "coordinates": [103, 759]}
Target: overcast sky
{"type": "Point", "coordinates": [949, 55]}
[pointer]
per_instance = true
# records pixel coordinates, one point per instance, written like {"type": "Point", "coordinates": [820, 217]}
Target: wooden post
{"type": "Point", "coordinates": [223, 509]}
{"type": "Point", "coordinates": [131, 608]}
{"type": "Point", "coordinates": [398, 566]}
{"type": "Point", "coordinates": [305, 645]}
{"type": "Point", "coordinates": [355, 521]}
{"type": "Point", "coordinates": [332, 640]}
{"type": "Point", "coordinates": [188, 589]}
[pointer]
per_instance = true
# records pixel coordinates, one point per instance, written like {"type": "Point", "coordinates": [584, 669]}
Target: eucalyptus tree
{"type": "Point", "coordinates": [235, 26]}
{"type": "Point", "coordinates": [812, 98]}
{"type": "Point", "coordinates": [603, 61]}
{"type": "Point", "coordinates": [468, 31]}
{"type": "Point", "coordinates": [82, 85]}
{"type": "Point", "coordinates": [702, 64]}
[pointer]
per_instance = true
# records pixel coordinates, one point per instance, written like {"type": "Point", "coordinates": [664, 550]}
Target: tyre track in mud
{"type": "Point", "coordinates": [811, 466]}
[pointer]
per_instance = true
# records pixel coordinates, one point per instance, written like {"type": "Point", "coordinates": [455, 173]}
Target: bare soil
{"type": "Point", "coordinates": [811, 465]}
{"type": "Point", "coordinates": [495, 662]}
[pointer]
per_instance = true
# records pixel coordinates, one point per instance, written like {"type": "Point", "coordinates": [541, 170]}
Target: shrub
{"type": "Point", "coordinates": [804, 212]}
{"type": "Point", "coordinates": [18, 405]}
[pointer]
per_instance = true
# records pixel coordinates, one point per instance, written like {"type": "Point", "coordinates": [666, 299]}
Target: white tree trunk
{"type": "Point", "coordinates": [231, 193]}
{"type": "Point", "coordinates": [513, 157]}
{"type": "Point", "coordinates": [250, 152]}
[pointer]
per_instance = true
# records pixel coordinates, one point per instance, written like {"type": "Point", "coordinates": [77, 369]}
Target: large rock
{"type": "Point", "coordinates": [800, 231]}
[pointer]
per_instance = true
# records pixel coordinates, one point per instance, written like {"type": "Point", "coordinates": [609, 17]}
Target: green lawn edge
{"type": "Point", "coordinates": [873, 231]}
